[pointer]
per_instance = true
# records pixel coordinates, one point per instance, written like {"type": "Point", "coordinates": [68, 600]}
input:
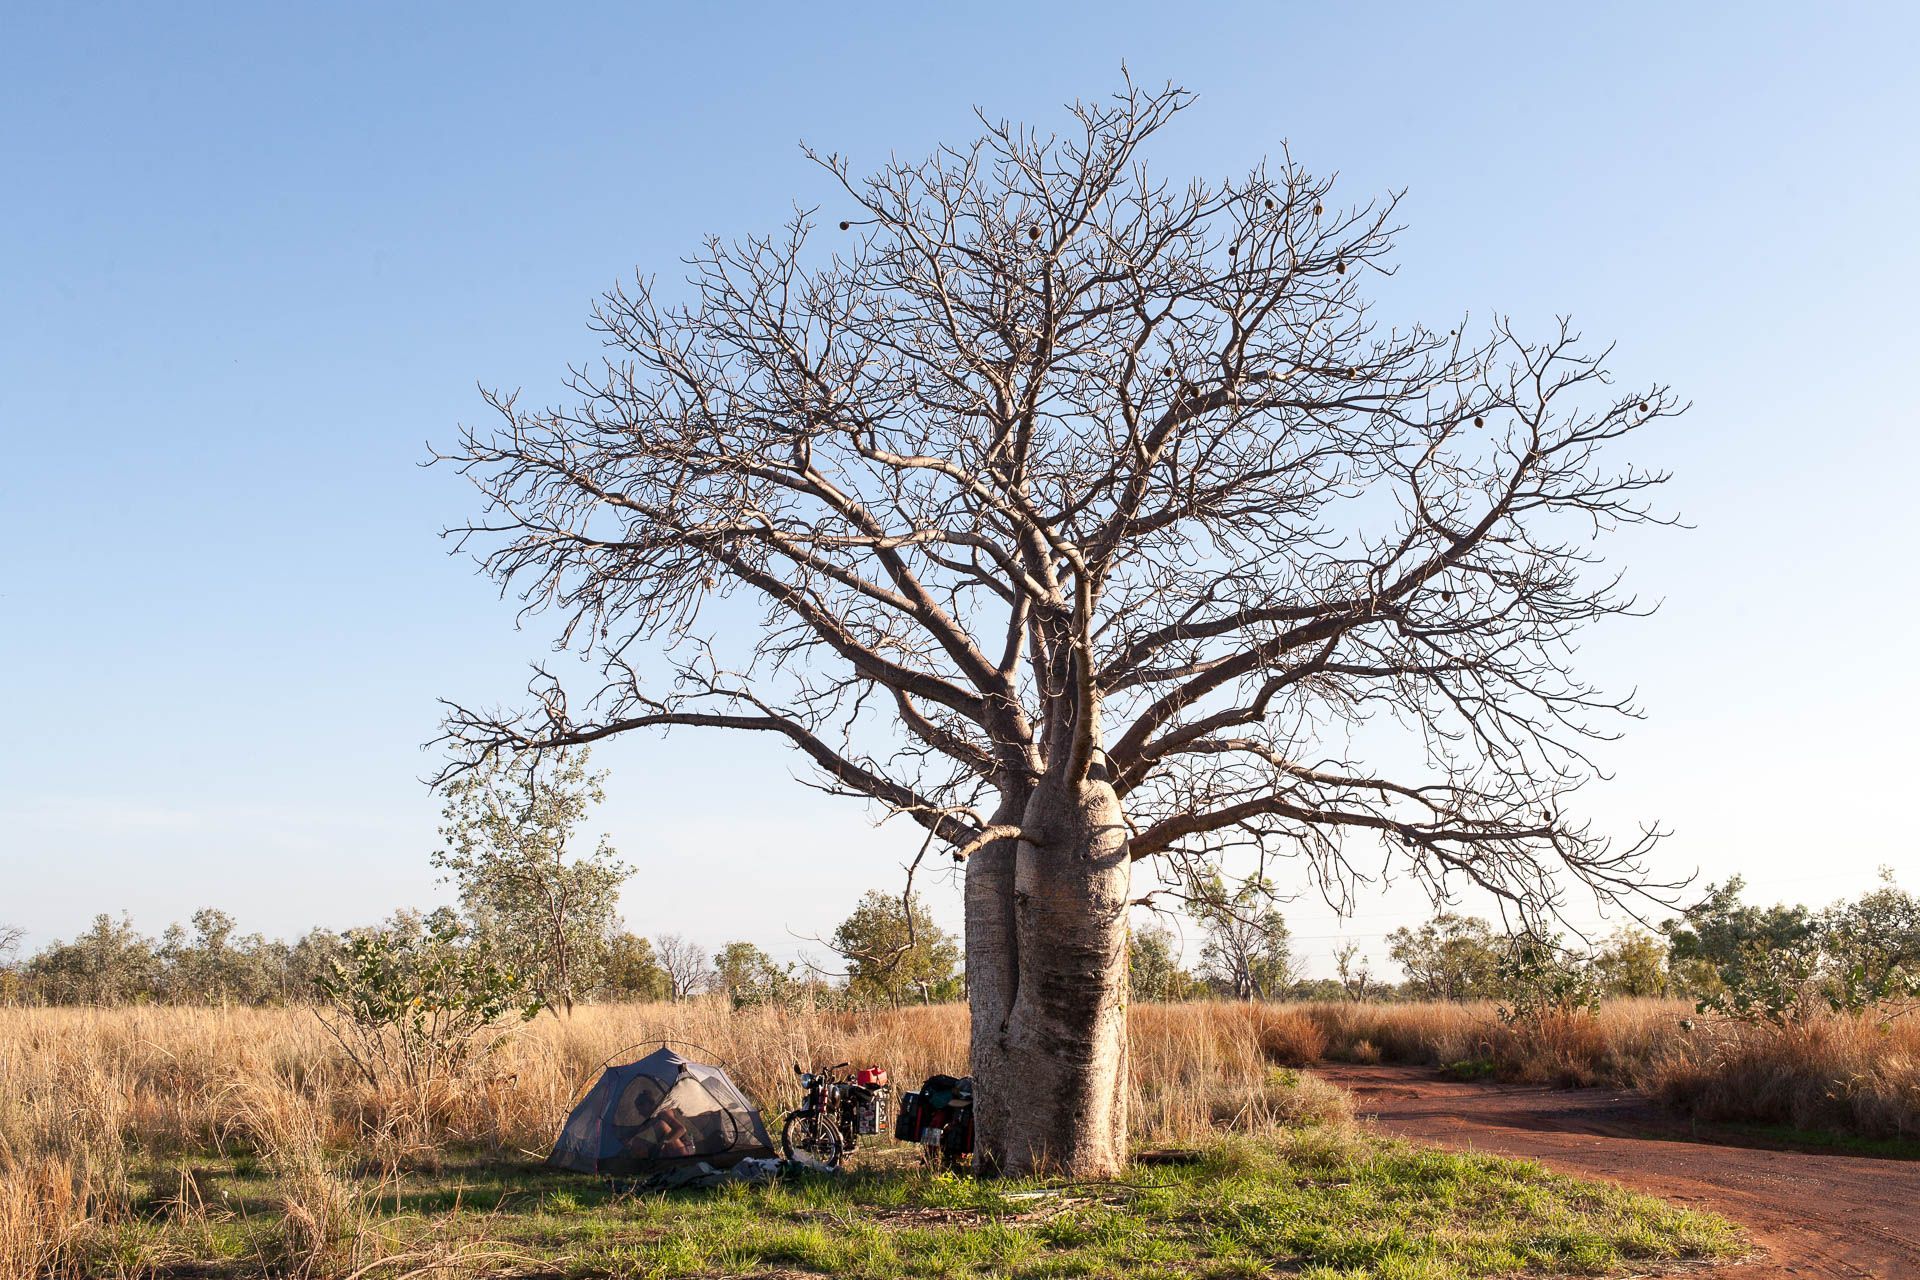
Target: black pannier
{"type": "Point", "coordinates": [956, 1137]}
{"type": "Point", "coordinates": [906, 1126]}
{"type": "Point", "coordinates": [939, 1115]}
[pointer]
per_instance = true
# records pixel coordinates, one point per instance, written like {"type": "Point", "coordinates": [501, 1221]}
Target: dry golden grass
{"type": "Point", "coordinates": [86, 1094]}
{"type": "Point", "coordinates": [1853, 1073]}
{"type": "Point", "coordinates": [96, 1101]}
{"type": "Point", "coordinates": [174, 1081]}
{"type": "Point", "coordinates": [1627, 1040]}
{"type": "Point", "coordinates": [1858, 1072]}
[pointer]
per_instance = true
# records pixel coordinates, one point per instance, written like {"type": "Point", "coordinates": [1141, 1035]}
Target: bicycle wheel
{"type": "Point", "coordinates": [811, 1134]}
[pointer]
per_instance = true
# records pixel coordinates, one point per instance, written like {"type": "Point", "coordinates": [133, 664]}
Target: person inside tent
{"type": "Point", "coordinates": [665, 1134]}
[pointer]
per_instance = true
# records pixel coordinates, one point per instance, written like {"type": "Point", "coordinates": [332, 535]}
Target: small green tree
{"type": "Point", "coordinates": [111, 963]}
{"type": "Point", "coordinates": [1450, 957]}
{"type": "Point", "coordinates": [1631, 962]}
{"type": "Point", "coordinates": [216, 964]}
{"type": "Point", "coordinates": [895, 953]}
{"type": "Point", "coordinates": [1153, 966]}
{"type": "Point", "coordinates": [631, 971]}
{"type": "Point", "coordinates": [1872, 947]}
{"type": "Point", "coordinates": [1539, 977]}
{"type": "Point", "coordinates": [309, 962]}
{"type": "Point", "coordinates": [420, 1000]}
{"type": "Point", "coordinates": [750, 976]}
{"type": "Point", "coordinates": [1748, 961]}
{"type": "Point", "coordinates": [1248, 952]}
{"type": "Point", "coordinates": [508, 826]}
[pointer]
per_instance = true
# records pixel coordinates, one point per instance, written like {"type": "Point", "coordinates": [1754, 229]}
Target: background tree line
{"type": "Point", "coordinates": [1729, 956]}
{"type": "Point", "coordinates": [538, 926]}
{"type": "Point", "coordinates": [209, 962]}
{"type": "Point", "coordinates": [1774, 963]}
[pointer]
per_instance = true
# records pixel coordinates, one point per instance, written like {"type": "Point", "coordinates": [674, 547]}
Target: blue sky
{"type": "Point", "coordinates": [253, 257]}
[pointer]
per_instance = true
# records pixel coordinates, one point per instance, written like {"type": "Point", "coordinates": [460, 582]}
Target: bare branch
{"type": "Point", "coordinates": [1053, 472]}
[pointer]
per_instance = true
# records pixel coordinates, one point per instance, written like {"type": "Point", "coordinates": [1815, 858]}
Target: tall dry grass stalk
{"type": "Point", "coordinates": [1852, 1073]}
{"type": "Point", "coordinates": [65, 1131]}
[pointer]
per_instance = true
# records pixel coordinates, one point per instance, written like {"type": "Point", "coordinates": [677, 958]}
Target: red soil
{"type": "Point", "coordinates": [1813, 1215]}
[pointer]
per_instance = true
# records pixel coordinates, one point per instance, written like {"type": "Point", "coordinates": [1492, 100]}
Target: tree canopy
{"type": "Point", "coordinates": [1088, 517]}
{"type": "Point", "coordinates": [509, 828]}
{"type": "Point", "coordinates": [1068, 461]}
{"type": "Point", "coordinates": [895, 953]}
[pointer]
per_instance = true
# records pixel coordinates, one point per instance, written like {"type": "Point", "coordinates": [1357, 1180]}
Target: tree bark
{"type": "Point", "coordinates": [1056, 1086]}
{"type": "Point", "coordinates": [992, 979]}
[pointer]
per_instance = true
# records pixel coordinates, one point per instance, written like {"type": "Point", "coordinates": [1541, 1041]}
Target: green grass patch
{"type": "Point", "coordinates": [1326, 1204]}
{"type": "Point", "coordinates": [1833, 1140]}
{"type": "Point", "coordinates": [1471, 1069]}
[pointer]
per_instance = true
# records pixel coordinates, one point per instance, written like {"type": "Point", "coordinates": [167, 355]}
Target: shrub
{"type": "Point", "coordinates": [1541, 980]}
{"type": "Point", "coordinates": [419, 1002]}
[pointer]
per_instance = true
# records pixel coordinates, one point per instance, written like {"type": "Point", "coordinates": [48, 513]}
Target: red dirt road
{"type": "Point", "coordinates": [1814, 1215]}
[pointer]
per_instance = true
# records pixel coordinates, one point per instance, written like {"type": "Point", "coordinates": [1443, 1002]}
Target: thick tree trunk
{"type": "Point", "coordinates": [1052, 1092]}
{"type": "Point", "coordinates": [992, 978]}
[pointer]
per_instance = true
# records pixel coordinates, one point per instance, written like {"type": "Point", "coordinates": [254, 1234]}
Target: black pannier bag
{"type": "Point", "coordinates": [957, 1139]}
{"type": "Point", "coordinates": [943, 1103]}
{"type": "Point", "coordinates": [906, 1126]}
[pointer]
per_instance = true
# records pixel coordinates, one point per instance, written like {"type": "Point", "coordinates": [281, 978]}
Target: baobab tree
{"type": "Point", "coordinates": [1095, 519]}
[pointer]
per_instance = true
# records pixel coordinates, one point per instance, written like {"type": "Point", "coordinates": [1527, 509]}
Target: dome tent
{"type": "Point", "coordinates": [662, 1112]}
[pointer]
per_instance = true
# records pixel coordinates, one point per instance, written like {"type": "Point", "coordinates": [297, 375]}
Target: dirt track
{"type": "Point", "coordinates": [1815, 1215]}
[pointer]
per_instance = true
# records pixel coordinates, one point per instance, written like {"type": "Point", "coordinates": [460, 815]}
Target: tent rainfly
{"type": "Point", "coordinates": [662, 1112]}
